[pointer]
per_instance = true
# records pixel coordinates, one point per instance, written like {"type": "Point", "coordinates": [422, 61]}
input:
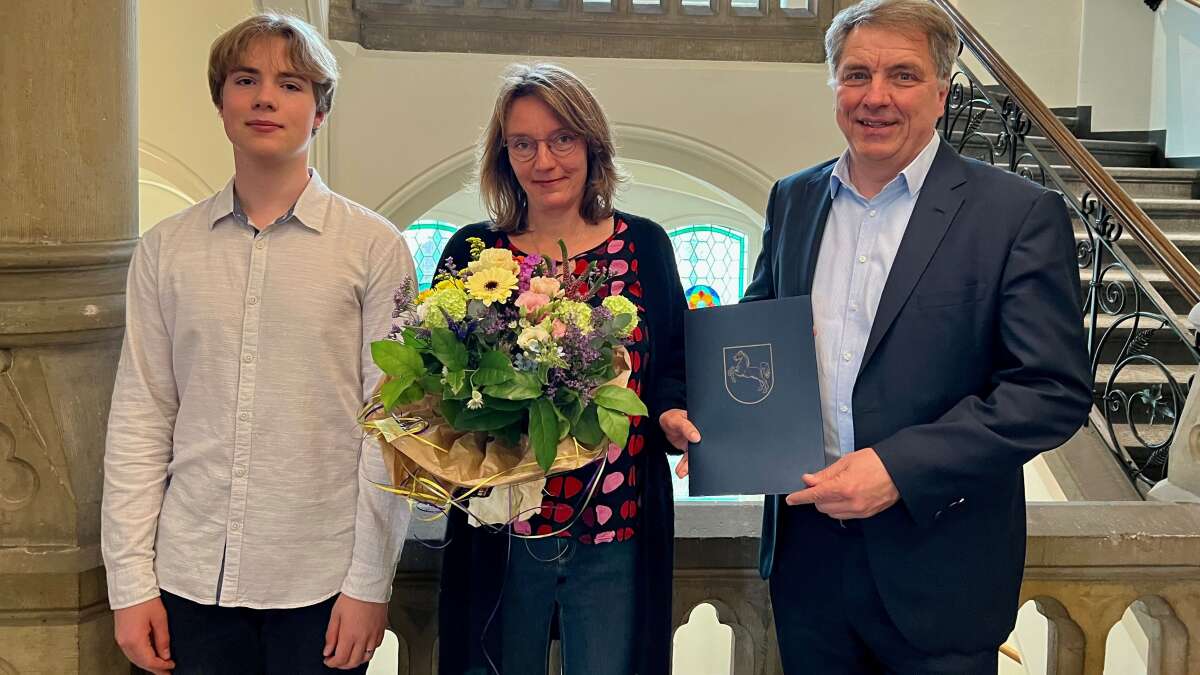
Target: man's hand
{"type": "Point", "coordinates": [355, 631]}
{"type": "Point", "coordinates": [856, 486]}
{"type": "Point", "coordinates": [680, 432]}
{"type": "Point", "coordinates": [141, 632]}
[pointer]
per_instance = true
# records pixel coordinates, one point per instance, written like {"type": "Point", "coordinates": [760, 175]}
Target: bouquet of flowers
{"type": "Point", "coordinates": [501, 374]}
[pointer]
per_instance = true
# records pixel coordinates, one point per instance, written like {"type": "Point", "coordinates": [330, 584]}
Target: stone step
{"type": "Point", "coordinates": [1157, 278]}
{"type": "Point", "coordinates": [991, 123]}
{"type": "Point", "coordinates": [1172, 216]}
{"type": "Point", "coordinates": [1108, 153]}
{"type": "Point", "coordinates": [1187, 242]}
{"type": "Point", "coordinates": [1137, 375]}
{"type": "Point", "coordinates": [1163, 343]}
{"type": "Point", "coordinates": [1139, 182]}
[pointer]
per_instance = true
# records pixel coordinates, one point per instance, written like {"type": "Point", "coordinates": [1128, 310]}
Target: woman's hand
{"type": "Point", "coordinates": [680, 432]}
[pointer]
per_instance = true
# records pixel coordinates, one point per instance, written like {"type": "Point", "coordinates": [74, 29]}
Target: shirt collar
{"type": "Point", "coordinates": [309, 210]}
{"type": "Point", "coordinates": [913, 175]}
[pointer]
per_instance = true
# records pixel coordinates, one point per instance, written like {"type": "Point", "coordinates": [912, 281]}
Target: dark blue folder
{"type": "Point", "coordinates": [752, 391]}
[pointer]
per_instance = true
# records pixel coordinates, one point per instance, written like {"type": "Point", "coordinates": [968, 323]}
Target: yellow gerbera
{"type": "Point", "coordinates": [491, 284]}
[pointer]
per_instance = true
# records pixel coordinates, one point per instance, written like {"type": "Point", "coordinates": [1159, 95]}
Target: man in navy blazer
{"type": "Point", "coordinates": [951, 351]}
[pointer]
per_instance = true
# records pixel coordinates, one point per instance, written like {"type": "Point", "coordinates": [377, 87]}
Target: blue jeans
{"type": "Point", "coordinates": [588, 586]}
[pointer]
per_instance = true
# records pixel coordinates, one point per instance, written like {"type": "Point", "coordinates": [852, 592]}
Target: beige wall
{"type": "Point", "coordinates": [401, 114]}
{"type": "Point", "coordinates": [1177, 77]}
{"type": "Point", "coordinates": [1040, 39]}
{"type": "Point", "coordinates": [1117, 65]}
{"type": "Point", "coordinates": [179, 136]}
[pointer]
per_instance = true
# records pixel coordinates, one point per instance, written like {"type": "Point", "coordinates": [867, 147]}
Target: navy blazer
{"type": "Point", "coordinates": [976, 362]}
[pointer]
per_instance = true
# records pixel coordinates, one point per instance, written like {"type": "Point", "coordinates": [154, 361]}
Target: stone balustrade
{"type": "Point", "coordinates": [788, 31]}
{"type": "Point", "coordinates": [1087, 563]}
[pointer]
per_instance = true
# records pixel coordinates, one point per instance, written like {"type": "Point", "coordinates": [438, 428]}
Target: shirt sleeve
{"type": "Point", "coordinates": [138, 446]}
{"type": "Point", "coordinates": [381, 520]}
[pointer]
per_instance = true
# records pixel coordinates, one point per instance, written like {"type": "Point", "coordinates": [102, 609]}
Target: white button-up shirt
{"type": "Point", "coordinates": [858, 247]}
{"type": "Point", "coordinates": [235, 471]}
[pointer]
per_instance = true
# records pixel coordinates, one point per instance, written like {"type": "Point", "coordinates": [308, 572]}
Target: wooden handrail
{"type": "Point", "coordinates": [1162, 251]}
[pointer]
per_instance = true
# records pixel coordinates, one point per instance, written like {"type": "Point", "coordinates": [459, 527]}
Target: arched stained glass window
{"type": "Point", "coordinates": [426, 239]}
{"type": "Point", "coordinates": [712, 264]}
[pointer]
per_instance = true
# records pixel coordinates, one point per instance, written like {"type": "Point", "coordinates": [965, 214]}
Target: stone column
{"type": "Point", "coordinates": [68, 223]}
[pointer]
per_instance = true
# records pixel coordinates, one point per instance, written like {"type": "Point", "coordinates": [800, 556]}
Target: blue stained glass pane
{"type": "Point", "coordinates": [711, 257]}
{"type": "Point", "coordinates": [426, 239]}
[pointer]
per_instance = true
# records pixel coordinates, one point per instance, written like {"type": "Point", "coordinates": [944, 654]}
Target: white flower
{"type": "Point", "coordinates": [532, 337]}
{"type": "Point", "coordinates": [476, 401]}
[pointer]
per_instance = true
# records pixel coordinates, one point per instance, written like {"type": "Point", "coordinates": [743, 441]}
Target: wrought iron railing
{"type": "Point", "coordinates": [1142, 353]}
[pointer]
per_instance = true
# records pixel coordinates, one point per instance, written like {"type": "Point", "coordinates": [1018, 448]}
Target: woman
{"type": "Point", "coordinates": [602, 575]}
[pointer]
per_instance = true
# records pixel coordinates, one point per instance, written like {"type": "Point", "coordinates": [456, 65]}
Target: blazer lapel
{"type": "Point", "coordinates": [810, 233]}
{"type": "Point", "coordinates": [936, 207]}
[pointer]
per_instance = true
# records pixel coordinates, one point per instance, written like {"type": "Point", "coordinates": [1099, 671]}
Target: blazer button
{"type": "Point", "coordinates": [937, 516]}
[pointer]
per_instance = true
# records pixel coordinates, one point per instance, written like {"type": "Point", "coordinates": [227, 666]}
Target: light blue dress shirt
{"type": "Point", "coordinates": [857, 250]}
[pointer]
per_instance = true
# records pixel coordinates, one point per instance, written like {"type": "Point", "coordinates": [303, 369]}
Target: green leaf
{"type": "Point", "coordinates": [485, 420]}
{"type": "Point", "coordinates": [503, 403]}
{"type": "Point", "coordinates": [410, 338]}
{"type": "Point", "coordinates": [587, 429]}
{"type": "Point", "coordinates": [572, 408]}
{"type": "Point", "coordinates": [396, 359]}
{"type": "Point", "coordinates": [620, 399]}
{"type": "Point", "coordinates": [543, 432]}
{"type": "Point", "coordinates": [511, 434]}
{"type": "Point", "coordinates": [432, 384]}
{"type": "Point", "coordinates": [390, 393]}
{"type": "Point", "coordinates": [411, 395]}
{"type": "Point", "coordinates": [450, 410]}
{"type": "Point", "coordinates": [448, 349]}
{"type": "Point", "coordinates": [521, 387]}
{"type": "Point", "coordinates": [621, 321]}
{"type": "Point", "coordinates": [456, 381]}
{"type": "Point", "coordinates": [615, 425]}
{"type": "Point", "coordinates": [494, 368]}
{"type": "Point", "coordinates": [564, 424]}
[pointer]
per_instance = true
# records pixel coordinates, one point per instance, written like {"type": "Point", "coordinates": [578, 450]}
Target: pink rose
{"type": "Point", "coordinates": [532, 302]}
{"type": "Point", "coordinates": [558, 329]}
{"type": "Point", "coordinates": [547, 286]}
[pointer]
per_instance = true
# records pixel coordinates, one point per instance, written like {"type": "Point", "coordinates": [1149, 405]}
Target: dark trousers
{"type": "Point", "coordinates": [213, 640]}
{"type": "Point", "coordinates": [589, 586]}
{"type": "Point", "coordinates": [829, 617]}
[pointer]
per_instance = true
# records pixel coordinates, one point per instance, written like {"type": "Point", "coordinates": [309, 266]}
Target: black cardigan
{"type": "Point", "coordinates": [473, 561]}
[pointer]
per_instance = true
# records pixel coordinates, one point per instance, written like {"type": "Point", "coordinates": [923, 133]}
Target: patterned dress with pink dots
{"type": "Point", "coordinates": [612, 512]}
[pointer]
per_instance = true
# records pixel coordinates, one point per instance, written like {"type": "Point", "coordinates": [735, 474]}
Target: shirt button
{"type": "Point", "coordinates": [244, 416]}
{"type": "Point", "coordinates": [846, 356]}
{"type": "Point", "coordinates": [854, 307]}
{"type": "Point", "coordinates": [239, 471]}
{"type": "Point", "coordinates": [254, 299]}
{"type": "Point", "coordinates": [248, 358]}
{"type": "Point", "coordinates": [862, 258]}
{"type": "Point", "coordinates": [260, 245]}
{"type": "Point", "coordinates": [872, 213]}
{"type": "Point", "coordinates": [844, 409]}
{"type": "Point", "coordinates": [235, 525]}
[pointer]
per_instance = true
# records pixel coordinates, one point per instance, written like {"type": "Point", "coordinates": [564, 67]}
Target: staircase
{"type": "Point", "coordinates": [1171, 197]}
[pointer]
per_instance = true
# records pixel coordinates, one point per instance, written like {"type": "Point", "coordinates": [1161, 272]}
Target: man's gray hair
{"type": "Point", "coordinates": [910, 16]}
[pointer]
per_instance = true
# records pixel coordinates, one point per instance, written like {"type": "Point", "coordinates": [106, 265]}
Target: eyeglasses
{"type": "Point", "coordinates": [524, 148]}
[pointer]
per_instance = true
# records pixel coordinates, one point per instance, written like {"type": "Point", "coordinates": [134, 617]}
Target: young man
{"type": "Point", "coordinates": [241, 529]}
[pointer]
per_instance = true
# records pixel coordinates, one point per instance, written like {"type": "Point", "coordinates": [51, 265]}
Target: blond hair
{"type": "Point", "coordinates": [916, 16]}
{"type": "Point", "coordinates": [579, 112]}
{"type": "Point", "coordinates": [306, 49]}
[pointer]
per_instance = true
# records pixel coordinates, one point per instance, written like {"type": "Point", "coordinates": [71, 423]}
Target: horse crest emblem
{"type": "Point", "coordinates": [749, 373]}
